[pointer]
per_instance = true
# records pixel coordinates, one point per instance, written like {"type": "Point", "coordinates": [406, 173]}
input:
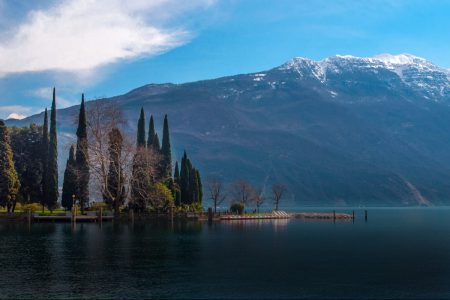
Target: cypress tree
{"type": "Point", "coordinates": [156, 145]}
{"type": "Point", "coordinates": [9, 180]}
{"type": "Point", "coordinates": [190, 185]}
{"type": "Point", "coordinates": [189, 182]}
{"type": "Point", "coordinates": [177, 185]}
{"type": "Point", "coordinates": [115, 189]}
{"type": "Point", "coordinates": [193, 183]}
{"type": "Point", "coordinates": [52, 169]}
{"type": "Point", "coordinates": [152, 140]}
{"type": "Point", "coordinates": [26, 144]}
{"type": "Point", "coordinates": [82, 159]}
{"type": "Point", "coordinates": [166, 150]}
{"type": "Point", "coordinates": [184, 179]}
{"type": "Point", "coordinates": [200, 187]}
{"type": "Point", "coordinates": [70, 180]}
{"type": "Point", "coordinates": [141, 130]}
{"type": "Point", "coordinates": [140, 180]}
{"type": "Point", "coordinates": [44, 154]}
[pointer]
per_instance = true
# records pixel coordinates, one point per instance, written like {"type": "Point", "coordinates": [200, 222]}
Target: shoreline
{"type": "Point", "coordinates": [24, 217]}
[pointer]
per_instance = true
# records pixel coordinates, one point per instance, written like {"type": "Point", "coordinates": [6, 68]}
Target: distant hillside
{"type": "Point", "coordinates": [344, 130]}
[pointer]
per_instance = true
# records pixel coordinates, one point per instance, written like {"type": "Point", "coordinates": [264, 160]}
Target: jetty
{"type": "Point", "coordinates": [285, 215]}
{"type": "Point", "coordinates": [325, 216]}
{"type": "Point", "coordinates": [273, 215]}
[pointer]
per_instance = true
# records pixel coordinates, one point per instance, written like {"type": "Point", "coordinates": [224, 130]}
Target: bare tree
{"type": "Point", "coordinates": [277, 193]}
{"type": "Point", "coordinates": [115, 192]}
{"type": "Point", "coordinates": [144, 177]}
{"type": "Point", "coordinates": [259, 199]}
{"type": "Point", "coordinates": [242, 192]}
{"type": "Point", "coordinates": [216, 193]}
{"type": "Point", "coordinates": [102, 118]}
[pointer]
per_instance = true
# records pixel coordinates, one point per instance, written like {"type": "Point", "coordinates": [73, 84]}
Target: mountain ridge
{"type": "Point", "coordinates": [353, 133]}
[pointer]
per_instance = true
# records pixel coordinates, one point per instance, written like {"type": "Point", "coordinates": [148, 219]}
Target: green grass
{"type": "Point", "coordinates": [256, 214]}
{"type": "Point", "coordinates": [46, 211]}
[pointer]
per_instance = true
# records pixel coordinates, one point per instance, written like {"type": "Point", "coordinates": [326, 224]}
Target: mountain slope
{"type": "Point", "coordinates": [344, 130]}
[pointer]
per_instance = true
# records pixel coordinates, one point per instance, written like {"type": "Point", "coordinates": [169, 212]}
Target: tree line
{"type": "Point", "coordinates": [133, 175]}
{"type": "Point", "coordinates": [28, 163]}
{"type": "Point", "coordinates": [241, 194]}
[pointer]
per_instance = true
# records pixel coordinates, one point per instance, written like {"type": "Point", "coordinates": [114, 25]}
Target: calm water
{"type": "Point", "coordinates": [398, 253]}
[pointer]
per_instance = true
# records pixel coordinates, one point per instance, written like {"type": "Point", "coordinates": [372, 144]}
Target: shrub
{"type": "Point", "coordinates": [237, 208]}
{"type": "Point", "coordinates": [97, 205]}
{"type": "Point", "coordinates": [33, 206]}
{"type": "Point", "coordinates": [161, 198]}
{"type": "Point", "coordinates": [19, 207]}
{"type": "Point", "coordinates": [197, 207]}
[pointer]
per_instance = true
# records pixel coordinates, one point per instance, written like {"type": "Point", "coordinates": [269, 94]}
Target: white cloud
{"type": "Point", "coordinates": [79, 35]}
{"type": "Point", "coordinates": [46, 94]}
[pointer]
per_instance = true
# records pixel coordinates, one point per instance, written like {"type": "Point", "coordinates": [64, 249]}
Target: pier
{"type": "Point", "coordinates": [326, 216]}
{"type": "Point", "coordinates": [284, 215]}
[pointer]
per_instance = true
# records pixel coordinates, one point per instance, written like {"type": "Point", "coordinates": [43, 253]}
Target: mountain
{"type": "Point", "coordinates": [344, 130]}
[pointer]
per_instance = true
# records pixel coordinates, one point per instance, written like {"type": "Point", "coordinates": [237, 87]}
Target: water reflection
{"type": "Point", "coordinates": [398, 253]}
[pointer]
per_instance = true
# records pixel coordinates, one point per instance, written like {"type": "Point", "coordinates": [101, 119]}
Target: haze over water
{"type": "Point", "coordinates": [398, 253]}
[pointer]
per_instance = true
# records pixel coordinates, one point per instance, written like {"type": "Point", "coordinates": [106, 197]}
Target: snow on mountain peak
{"type": "Point", "coordinates": [401, 59]}
{"type": "Point", "coordinates": [412, 70]}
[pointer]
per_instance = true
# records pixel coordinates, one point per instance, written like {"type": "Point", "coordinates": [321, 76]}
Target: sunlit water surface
{"type": "Point", "coordinates": [397, 253]}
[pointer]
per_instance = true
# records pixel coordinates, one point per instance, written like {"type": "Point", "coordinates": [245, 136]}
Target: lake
{"type": "Point", "coordinates": [397, 253]}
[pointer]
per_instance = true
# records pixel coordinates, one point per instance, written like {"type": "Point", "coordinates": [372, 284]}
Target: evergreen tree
{"type": "Point", "coordinates": [44, 155]}
{"type": "Point", "coordinates": [177, 192]}
{"type": "Point", "coordinates": [141, 130]}
{"type": "Point", "coordinates": [115, 189]}
{"type": "Point", "coordinates": [156, 144]}
{"type": "Point", "coordinates": [141, 178]}
{"type": "Point", "coordinates": [52, 170]}
{"type": "Point", "coordinates": [190, 183]}
{"type": "Point", "coordinates": [193, 183]}
{"type": "Point", "coordinates": [26, 144]}
{"type": "Point", "coordinates": [166, 150]}
{"type": "Point", "coordinates": [70, 180]}
{"type": "Point", "coordinates": [82, 159]}
{"type": "Point", "coordinates": [9, 180]}
{"type": "Point", "coordinates": [200, 187]}
{"type": "Point", "coordinates": [152, 140]}
{"type": "Point", "coordinates": [176, 173]}
{"type": "Point", "coordinates": [184, 180]}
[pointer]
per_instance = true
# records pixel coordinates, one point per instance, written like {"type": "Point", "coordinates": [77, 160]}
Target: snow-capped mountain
{"type": "Point", "coordinates": [344, 130]}
{"type": "Point", "coordinates": [426, 78]}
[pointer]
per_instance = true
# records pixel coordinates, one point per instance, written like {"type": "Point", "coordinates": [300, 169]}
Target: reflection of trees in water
{"type": "Point", "coordinates": [27, 256]}
{"type": "Point", "coordinates": [145, 260]}
{"type": "Point", "coordinates": [243, 225]}
{"type": "Point", "coordinates": [280, 224]}
{"type": "Point", "coordinates": [188, 227]}
{"type": "Point", "coordinates": [155, 256]}
{"type": "Point", "coordinates": [84, 258]}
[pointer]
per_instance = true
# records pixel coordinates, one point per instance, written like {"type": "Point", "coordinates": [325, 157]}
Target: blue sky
{"type": "Point", "coordinates": [108, 47]}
